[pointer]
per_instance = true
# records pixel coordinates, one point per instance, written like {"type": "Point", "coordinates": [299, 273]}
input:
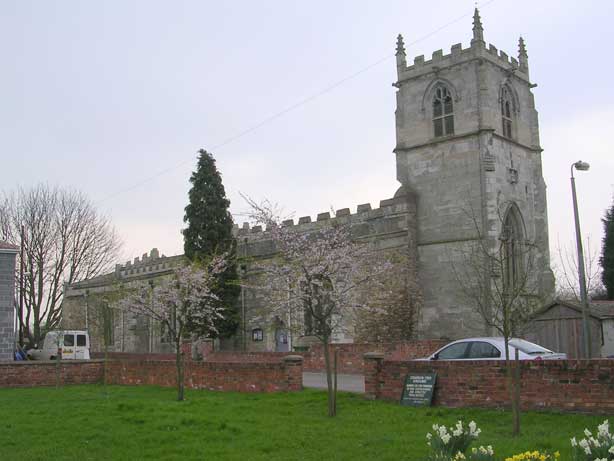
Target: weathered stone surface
{"type": "Point", "coordinates": [467, 179]}
{"type": "Point", "coordinates": [8, 254]}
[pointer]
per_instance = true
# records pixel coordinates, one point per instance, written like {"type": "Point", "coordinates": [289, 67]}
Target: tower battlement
{"type": "Point", "coordinates": [458, 55]}
{"type": "Point", "coordinates": [364, 212]}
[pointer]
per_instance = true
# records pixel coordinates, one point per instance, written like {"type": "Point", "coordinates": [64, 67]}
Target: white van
{"type": "Point", "coordinates": [71, 344]}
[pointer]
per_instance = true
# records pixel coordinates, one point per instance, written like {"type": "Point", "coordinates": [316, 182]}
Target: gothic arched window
{"type": "Point", "coordinates": [443, 112]}
{"type": "Point", "coordinates": [512, 238]}
{"type": "Point", "coordinates": [507, 112]}
{"type": "Point", "coordinates": [318, 306]}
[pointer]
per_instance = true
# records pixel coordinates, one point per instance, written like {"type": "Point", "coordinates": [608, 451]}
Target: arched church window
{"type": "Point", "coordinates": [512, 249]}
{"type": "Point", "coordinates": [318, 304]}
{"type": "Point", "coordinates": [507, 111]}
{"type": "Point", "coordinates": [443, 112]}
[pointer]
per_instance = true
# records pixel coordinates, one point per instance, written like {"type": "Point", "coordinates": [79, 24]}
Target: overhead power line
{"type": "Point", "coordinates": [288, 109]}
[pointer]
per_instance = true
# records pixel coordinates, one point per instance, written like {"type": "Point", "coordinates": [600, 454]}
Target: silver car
{"type": "Point", "coordinates": [493, 349]}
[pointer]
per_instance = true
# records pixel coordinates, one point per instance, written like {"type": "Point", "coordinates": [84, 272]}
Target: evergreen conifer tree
{"type": "Point", "coordinates": [607, 252]}
{"type": "Point", "coordinates": [209, 232]}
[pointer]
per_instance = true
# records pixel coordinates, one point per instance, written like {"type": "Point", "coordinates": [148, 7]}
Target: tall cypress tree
{"type": "Point", "coordinates": [209, 231]}
{"type": "Point", "coordinates": [607, 252]}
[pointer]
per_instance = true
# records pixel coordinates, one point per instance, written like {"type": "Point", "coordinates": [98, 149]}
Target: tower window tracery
{"type": "Point", "coordinates": [512, 249]}
{"type": "Point", "coordinates": [443, 112]}
{"type": "Point", "coordinates": [507, 112]}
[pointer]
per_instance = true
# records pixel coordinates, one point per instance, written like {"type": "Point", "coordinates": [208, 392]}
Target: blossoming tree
{"type": "Point", "coordinates": [183, 304]}
{"type": "Point", "coordinates": [315, 278]}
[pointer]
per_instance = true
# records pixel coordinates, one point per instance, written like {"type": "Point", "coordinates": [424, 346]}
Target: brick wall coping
{"type": "Point", "coordinates": [378, 356]}
{"type": "Point", "coordinates": [293, 358]}
{"type": "Point", "coordinates": [204, 363]}
{"type": "Point", "coordinates": [26, 363]}
{"type": "Point", "coordinates": [570, 362]}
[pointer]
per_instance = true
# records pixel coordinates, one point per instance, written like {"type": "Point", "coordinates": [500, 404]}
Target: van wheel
{"type": "Point", "coordinates": [52, 358]}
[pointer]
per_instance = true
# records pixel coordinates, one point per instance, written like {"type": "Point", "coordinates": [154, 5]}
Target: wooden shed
{"type": "Point", "coordinates": [559, 327]}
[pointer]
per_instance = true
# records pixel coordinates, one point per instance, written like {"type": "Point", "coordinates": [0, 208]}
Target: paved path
{"type": "Point", "coordinates": [350, 383]}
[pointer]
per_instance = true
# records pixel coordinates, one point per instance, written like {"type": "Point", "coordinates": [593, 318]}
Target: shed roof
{"type": "Point", "coordinates": [8, 247]}
{"type": "Point", "coordinates": [598, 309]}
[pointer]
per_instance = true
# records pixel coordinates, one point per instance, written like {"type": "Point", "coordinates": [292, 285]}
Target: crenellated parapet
{"type": "Point", "coordinates": [149, 265]}
{"type": "Point", "coordinates": [459, 55]}
{"type": "Point", "coordinates": [388, 225]}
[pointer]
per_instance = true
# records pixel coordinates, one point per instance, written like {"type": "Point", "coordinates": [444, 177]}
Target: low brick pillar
{"type": "Point", "coordinates": [293, 366]}
{"type": "Point", "coordinates": [372, 368]}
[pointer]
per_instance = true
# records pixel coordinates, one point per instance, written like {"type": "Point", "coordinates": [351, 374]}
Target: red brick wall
{"type": "Point", "coordinates": [350, 358]}
{"type": "Point", "coordinates": [260, 376]}
{"type": "Point", "coordinates": [133, 356]}
{"type": "Point", "coordinates": [565, 385]}
{"type": "Point", "coordinates": [286, 374]}
{"type": "Point", "coordinates": [31, 374]}
{"type": "Point", "coordinates": [228, 356]}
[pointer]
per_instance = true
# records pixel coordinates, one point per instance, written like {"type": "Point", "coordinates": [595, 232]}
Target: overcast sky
{"type": "Point", "coordinates": [115, 97]}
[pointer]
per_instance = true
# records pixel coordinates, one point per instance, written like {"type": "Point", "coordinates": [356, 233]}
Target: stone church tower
{"type": "Point", "coordinates": [467, 147]}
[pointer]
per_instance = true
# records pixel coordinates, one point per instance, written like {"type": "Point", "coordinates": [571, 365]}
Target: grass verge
{"type": "Point", "coordinates": [134, 423]}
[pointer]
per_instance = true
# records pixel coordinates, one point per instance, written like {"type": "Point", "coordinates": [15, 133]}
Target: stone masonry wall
{"type": "Point", "coordinates": [7, 299]}
{"type": "Point", "coordinates": [466, 180]}
{"type": "Point", "coordinates": [561, 385]}
{"type": "Point", "coordinates": [390, 228]}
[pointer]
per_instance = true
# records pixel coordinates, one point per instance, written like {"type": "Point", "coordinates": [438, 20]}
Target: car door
{"type": "Point", "coordinates": [68, 346]}
{"type": "Point", "coordinates": [481, 350]}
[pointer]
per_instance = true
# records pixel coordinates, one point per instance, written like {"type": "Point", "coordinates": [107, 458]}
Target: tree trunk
{"type": "Point", "coordinates": [335, 381]}
{"type": "Point", "coordinates": [105, 366]}
{"type": "Point", "coordinates": [58, 371]}
{"type": "Point", "coordinates": [179, 363]}
{"type": "Point", "coordinates": [329, 379]}
{"type": "Point", "coordinates": [516, 399]}
{"type": "Point", "coordinates": [511, 388]}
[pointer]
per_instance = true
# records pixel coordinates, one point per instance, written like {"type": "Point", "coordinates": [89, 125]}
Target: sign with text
{"type": "Point", "coordinates": [419, 389]}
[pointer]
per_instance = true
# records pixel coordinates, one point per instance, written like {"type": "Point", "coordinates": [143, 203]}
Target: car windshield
{"type": "Point", "coordinates": [528, 347]}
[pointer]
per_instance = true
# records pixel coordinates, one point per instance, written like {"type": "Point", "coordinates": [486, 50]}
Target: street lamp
{"type": "Point", "coordinates": [581, 166]}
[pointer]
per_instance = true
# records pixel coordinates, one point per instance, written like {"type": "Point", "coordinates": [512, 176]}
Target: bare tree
{"type": "Point", "coordinates": [566, 271]}
{"type": "Point", "coordinates": [315, 279]}
{"type": "Point", "coordinates": [65, 240]}
{"type": "Point", "coordinates": [500, 279]}
{"type": "Point", "coordinates": [185, 304]}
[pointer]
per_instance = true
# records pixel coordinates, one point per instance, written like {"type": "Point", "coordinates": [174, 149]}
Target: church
{"type": "Point", "coordinates": [468, 161]}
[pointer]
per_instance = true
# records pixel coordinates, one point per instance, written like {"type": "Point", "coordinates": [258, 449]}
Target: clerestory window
{"type": "Point", "coordinates": [443, 112]}
{"type": "Point", "coordinates": [507, 111]}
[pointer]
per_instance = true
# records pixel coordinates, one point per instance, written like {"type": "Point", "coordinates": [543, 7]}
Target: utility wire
{"type": "Point", "coordinates": [288, 109]}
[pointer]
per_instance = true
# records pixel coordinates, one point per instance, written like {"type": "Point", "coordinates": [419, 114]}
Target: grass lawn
{"type": "Point", "coordinates": [134, 423]}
